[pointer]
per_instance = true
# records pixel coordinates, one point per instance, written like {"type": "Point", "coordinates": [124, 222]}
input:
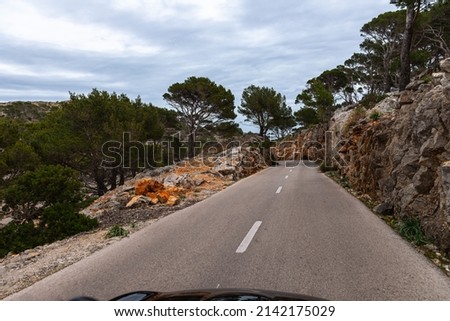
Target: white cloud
{"type": "Point", "coordinates": [22, 21]}
{"type": "Point", "coordinates": [257, 37]}
{"type": "Point", "coordinates": [31, 94]}
{"type": "Point", "coordinates": [176, 10]}
{"type": "Point", "coordinates": [43, 72]}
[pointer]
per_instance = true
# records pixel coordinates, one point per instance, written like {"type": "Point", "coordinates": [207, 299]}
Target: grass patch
{"type": "Point", "coordinates": [375, 116]}
{"type": "Point", "coordinates": [412, 231]}
{"type": "Point", "coordinates": [324, 168]}
{"type": "Point", "coordinates": [341, 180]}
{"type": "Point", "coordinates": [117, 231]}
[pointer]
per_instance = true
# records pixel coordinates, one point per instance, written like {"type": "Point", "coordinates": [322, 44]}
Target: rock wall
{"type": "Point", "coordinates": [397, 153]}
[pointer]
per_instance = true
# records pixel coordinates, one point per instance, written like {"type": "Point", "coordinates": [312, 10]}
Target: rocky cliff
{"type": "Point", "coordinates": [397, 153]}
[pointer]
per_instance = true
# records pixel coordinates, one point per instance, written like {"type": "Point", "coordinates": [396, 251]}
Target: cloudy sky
{"type": "Point", "coordinates": [141, 47]}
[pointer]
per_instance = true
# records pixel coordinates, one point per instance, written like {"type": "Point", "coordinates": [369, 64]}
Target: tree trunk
{"type": "Point", "coordinates": [405, 63]}
{"type": "Point", "coordinates": [191, 147]}
{"type": "Point", "coordinates": [113, 179]}
{"type": "Point", "coordinates": [387, 82]}
{"type": "Point", "coordinates": [122, 177]}
{"type": "Point", "coordinates": [261, 131]}
{"type": "Point", "coordinates": [99, 178]}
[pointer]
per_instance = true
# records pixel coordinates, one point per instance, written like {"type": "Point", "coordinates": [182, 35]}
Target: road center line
{"type": "Point", "coordinates": [279, 190]}
{"type": "Point", "coordinates": [248, 238]}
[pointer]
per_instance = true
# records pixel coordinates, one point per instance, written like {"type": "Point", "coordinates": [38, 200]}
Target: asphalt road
{"type": "Point", "coordinates": [286, 229]}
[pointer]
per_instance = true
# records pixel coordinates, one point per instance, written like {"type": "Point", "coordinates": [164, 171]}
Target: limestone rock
{"type": "Point", "coordinates": [437, 77]}
{"type": "Point", "coordinates": [388, 105]}
{"type": "Point", "coordinates": [445, 191]}
{"type": "Point", "coordinates": [225, 169]}
{"type": "Point", "coordinates": [138, 200]}
{"type": "Point", "coordinates": [405, 98]}
{"type": "Point", "coordinates": [414, 85]}
{"type": "Point", "coordinates": [445, 65]}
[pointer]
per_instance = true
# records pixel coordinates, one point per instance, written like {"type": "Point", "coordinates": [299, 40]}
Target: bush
{"type": "Point", "coordinates": [62, 220]}
{"type": "Point", "coordinates": [16, 238]}
{"type": "Point", "coordinates": [117, 231]}
{"type": "Point", "coordinates": [370, 100]}
{"type": "Point", "coordinates": [57, 223]}
{"type": "Point", "coordinates": [411, 230]}
{"type": "Point", "coordinates": [375, 115]}
{"type": "Point", "coordinates": [41, 188]}
{"type": "Point", "coordinates": [324, 168]}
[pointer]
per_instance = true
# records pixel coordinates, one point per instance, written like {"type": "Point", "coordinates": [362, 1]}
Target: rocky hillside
{"type": "Point", "coordinates": [170, 188]}
{"type": "Point", "coordinates": [26, 110]}
{"type": "Point", "coordinates": [397, 154]}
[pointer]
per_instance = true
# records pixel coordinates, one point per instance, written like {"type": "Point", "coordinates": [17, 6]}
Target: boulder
{"type": "Point", "coordinates": [415, 85]}
{"type": "Point", "coordinates": [171, 179]}
{"type": "Point", "coordinates": [163, 196]}
{"type": "Point", "coordinates": [445, 191]}
{"type": "Point", "coordinates": [137, 201]}
{"type": "Point", "coordinates": [147, 185]}
{"type": "Point", "coordinates": [225, 169]}
{"type": "Point", "coordinates": [173, 200]}
{"type": "Point", "coordinates": [385, 208]}
{"type": "Point", "coordinates": [184, 180]}
{"type": "Point", "coordinates": [445, 65]}
{"type": "Point", "coordinates": [405, 98]}
{"type": "Point", "coordinates": [153, 198]}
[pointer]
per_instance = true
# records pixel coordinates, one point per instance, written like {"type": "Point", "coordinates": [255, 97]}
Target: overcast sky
{"type": "Point", "coordinates": [141, 47]}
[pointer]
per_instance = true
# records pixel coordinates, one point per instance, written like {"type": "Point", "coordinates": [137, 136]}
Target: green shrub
{"type": "Point", "coordinates": [117, 231]}
{"type": "Point", "coordinates": [16, 238]}
{"type": "Point", "coordinates": [411, 230]}
{"type": "Point", "coordinates": [41, 188]}
{"type": "Point", "coordinates": [427, 78]}
{"type": "Point", "coordinates": [57, 223]}
{"type": "Point", "coordinates": [324, 168]}
{"type": "Point", "coordinates": [375, 115]}
{"type": "Point", "coordinates": [62, 220]}
{"type": "Point", "coordinates": [370, 100]}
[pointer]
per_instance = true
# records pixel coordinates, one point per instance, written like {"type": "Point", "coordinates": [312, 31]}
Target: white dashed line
{"type": "Point", "coordinates": [290, 171]}
{"type": "Point", "coordinates": [248, 238]}
{"type": "Point", "coordinates": [287, 176]}
{"type": "Point", "coordinates": [279, 190]}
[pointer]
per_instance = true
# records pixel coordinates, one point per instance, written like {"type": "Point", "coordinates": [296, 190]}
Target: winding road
{"type": "Point", "coordinates": [288, 228]}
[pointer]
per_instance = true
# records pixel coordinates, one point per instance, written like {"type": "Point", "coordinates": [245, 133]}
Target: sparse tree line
{"type": "Point", "coordinates": [47, 167]}
{"type": "Point", "coordinates": [396, 46]}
